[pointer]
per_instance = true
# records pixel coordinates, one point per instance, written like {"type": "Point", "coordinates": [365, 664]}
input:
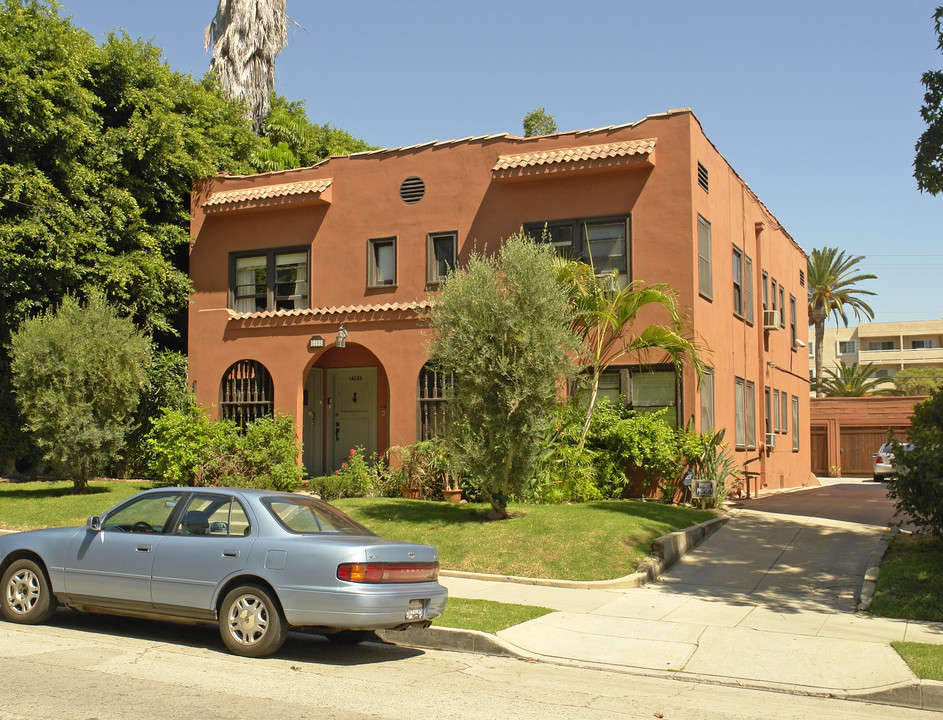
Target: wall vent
{"type": "Point", "coordinates": [412, 190]}
{"type": "Point", "coordinates": [702, 177]}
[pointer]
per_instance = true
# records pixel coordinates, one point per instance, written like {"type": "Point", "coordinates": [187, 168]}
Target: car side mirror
{"type": "Point", "coordinates": [93, 524]}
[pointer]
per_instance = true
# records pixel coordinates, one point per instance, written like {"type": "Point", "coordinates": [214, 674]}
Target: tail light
{"type": "Point", "coordinates": [385, 572]}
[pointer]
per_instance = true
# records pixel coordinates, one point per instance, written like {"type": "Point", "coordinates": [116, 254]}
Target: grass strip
{"type": "Point", "coordinates": [925, 660]}
{"type": "Point", "coordinates": [910, 581]}
{"type": "Point", "coordinates": [486, 615]}
{"type": "Point", "coordinates": [28, 505]}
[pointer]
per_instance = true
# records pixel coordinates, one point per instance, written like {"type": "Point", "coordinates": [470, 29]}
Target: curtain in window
{"type": "Point", "coordinates": [250, 284]}
{"type": "Point", "coordinates": [291, 272]}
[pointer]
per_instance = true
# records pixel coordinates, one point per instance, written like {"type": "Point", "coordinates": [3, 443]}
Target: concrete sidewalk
{"type": "Point", "coordinates": [768, 601]}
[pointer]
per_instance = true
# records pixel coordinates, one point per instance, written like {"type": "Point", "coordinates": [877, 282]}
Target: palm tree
{"type": "Point", "coordinates": [605, 316]}
{"type": "Point", "coordinates": [247, 36]}
{"type": "Point", "coordinates": [831, 281]}
{"type": "Point", "coordinates": [852, 381]}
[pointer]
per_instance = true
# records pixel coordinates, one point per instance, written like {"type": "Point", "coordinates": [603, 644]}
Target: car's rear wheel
{"type": "Point", "coordinates": [26, 597]}
{"type": "Point", "coordinates": [251, 622]}
{"type": "Point", "coordinates": [351, 637]}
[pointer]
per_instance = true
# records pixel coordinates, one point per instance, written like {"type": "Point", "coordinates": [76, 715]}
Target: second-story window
{"type": "Point", "coordinates": [793, 328]}
{"type": "Point", "coordinates": [441, 252]}
{"type": "Point", "coordinates": [602, 242]}
{"type": "Point", "coordinates": [737, 282]}
{"type": "Point", "coordinates": [847, 347]}
{"type": "Point", "coordinates": [881, 345]}
{"type": "Point", "coordinates": [381, 262]}
{"type": "Point", "coordinates": [271, 280]}
{"type": "Point", "coordinates": [705, 280]}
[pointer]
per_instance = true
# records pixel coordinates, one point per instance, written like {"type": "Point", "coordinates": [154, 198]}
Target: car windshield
{"type": "Point", "coordinates": [307, 515]}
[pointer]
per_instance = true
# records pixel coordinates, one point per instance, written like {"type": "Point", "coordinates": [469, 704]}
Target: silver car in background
{"type": "Point", "coordinates": [883, 461]}
{"type": "Point", "coordinates": [256, 562]}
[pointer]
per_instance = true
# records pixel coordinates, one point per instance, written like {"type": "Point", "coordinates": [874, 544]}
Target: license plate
{"type": "Point", "coordinates": [416, 610]}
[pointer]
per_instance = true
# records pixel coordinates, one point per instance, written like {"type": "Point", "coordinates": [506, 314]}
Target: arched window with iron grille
{"type": "Point", "coordinates": [246, 393]}
{"type": "Point", "coordinates": [434, 389]}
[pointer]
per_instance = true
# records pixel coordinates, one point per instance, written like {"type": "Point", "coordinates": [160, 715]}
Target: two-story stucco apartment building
{"type": "Point", "coordinates": [310, 284]}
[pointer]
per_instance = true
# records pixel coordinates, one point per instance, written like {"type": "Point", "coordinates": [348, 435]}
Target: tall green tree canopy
{"type": "Point", "coordinates": [99, 145]}
{"type": "Point", "coordinates": [918, 380]}
{"type": "Point", "coordinates": [831, 279]}
{"type": "Point", "coordinates": [78, 373]}
{"type": "Point", "coordinates": [928, 163]}
{"type": "Point", "coordinates": [539, 122]}
{"type": "Point", "coordinates": [501, 327]}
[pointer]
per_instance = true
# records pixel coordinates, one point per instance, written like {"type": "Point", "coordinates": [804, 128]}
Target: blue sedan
{"type": "Point", "coordinates": [256, 562]}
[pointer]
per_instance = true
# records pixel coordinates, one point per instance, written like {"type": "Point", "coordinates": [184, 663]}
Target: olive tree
{"type": "Point", "coordinates": [78, 373]}
{"type": "Point", "coordinates": [502, 328]}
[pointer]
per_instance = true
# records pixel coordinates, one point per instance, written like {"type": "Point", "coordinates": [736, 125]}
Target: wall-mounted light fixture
{"type": "Point", "coordinates": [341, 339]}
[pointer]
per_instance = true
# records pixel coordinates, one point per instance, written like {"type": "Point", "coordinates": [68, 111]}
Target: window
{"type": "Point", "coordinates": [751, 415]}
{"type": "Point", "coordinates": [434, 389]}
{"type": "Point", "coordinates": [211, 514]}
{"type": "Point", "coordinates": [792, 321]}
{"type": "Point", "coordinates": [705, 280]}
{"type": "Point", "coordinates": [702, 177]}
{"type": "Point", "coordinates": [847, 347]}
{"type": "Point", "coordinates": [922, 344]}
{"type": "Point", "coordinates": [147, 514]}
{"type": "Point", "coordinates": [737, 282]}
{"type": "Point", "coordinates": [381, 262]}
{"type": "Point", "coordinates": [882, 373]}
{"type": "Point", "coordinates": [246, 393]}
{"type": "Point", "coordinates": [642, 389]}
{"type": "Point", "coordinates": [782, 306]}
{"type": "Point", "coordinates": [776, 416]}
{"type": "Point", "coordinates": [772, 294]}
{"type": "Point", "coordinates": [739, 400]}
{"type": "Point", "coordinates": [765, 290]}
{"type": "Point", "coordinates": [795, 423]}
{"type": "Point", "coordinates": [441, 251]}
{"type": "Point", "coordinates": [748, 288]}
{"type": "Point", "coordinates": [784, 415]}
{"type": "Point", "coordinates": [881, 345]}
{"type": "Point", "coordinates": [604, 243]}
{"type": "Point", "coordinates": [769, 412]}
{"type": "Point", "coordinates": [274, 280]}
{"type": "Point", "coordinates": [707, 400]}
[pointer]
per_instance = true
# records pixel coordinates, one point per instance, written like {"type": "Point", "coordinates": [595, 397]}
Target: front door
{"type": "Point", "coordinates": [352, 394]}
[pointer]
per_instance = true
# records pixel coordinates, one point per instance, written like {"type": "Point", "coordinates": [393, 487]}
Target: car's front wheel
{"type": "Point", "coordinates": [251, 622]}
{"type": "Point", "coordinates": [26, 597]}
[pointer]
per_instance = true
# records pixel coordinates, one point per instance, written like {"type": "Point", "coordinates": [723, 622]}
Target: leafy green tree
{"type": "Point", "coordinates": [78, 373]}
{"type": "Point", "coordinates": [290, 139]}
{"type": "Point", "coordinates": [99, 146]}
{"type": "Point", "coordinates": [539, 122]}
{"type": "Point", "coordinates": [928, 163]}
{"type": "Point", "coordinates": [246, 37]}
{"type": "Point", "coordinates": [501, 326]}
{"type": "Point", "coordinates": [918, 380]}
{"type": "Point", "coordinates": [852, 381]}
{"type": "Point", "coordinates": [605, 315]}
{"type": "Point", "coordinates": [918, 490]}
{"type": "Point", "coordinates": [831, 281]}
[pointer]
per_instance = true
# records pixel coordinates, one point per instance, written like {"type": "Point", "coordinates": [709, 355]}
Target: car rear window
{"type": "Point", "coordinates": [305, 515]}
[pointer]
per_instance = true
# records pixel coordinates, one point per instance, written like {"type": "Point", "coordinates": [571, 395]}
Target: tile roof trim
{"type": "Point", "coordinates": [332, 310]}
{"type": "Point", "coordinates": [225, 199]}
{"type": "Point", "coordinates": [576, 154]}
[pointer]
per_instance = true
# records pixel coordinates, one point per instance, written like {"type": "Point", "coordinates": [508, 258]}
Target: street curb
{"type": "Point", "coordinates": [666, 551]}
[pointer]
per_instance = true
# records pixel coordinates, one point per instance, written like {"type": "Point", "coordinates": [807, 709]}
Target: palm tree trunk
{"type": "Point", "coordinates": [818, 320]}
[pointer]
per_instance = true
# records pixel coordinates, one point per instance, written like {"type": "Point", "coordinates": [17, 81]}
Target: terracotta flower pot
{"type": "Point", "coordinates": [452, 495]}
{"type": "Point", "coordinates": [410, 492]}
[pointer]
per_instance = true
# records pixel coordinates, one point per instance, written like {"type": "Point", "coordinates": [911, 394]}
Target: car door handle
{"type": "Point", "coordinates": [143, 548]}
{"type": "Point", "coordinates": [231, 553]}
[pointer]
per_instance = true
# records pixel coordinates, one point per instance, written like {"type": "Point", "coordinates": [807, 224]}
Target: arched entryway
{"type": "Point", "coordinates": [346, 400]}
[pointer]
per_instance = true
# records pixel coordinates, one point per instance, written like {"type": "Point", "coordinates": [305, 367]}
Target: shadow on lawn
{"type": "Point", "coordinates": [416, 511]}
{"type": "Point", "coordinates": [650, 510]}
{"type": "Point", "coordinates": [39, 493]}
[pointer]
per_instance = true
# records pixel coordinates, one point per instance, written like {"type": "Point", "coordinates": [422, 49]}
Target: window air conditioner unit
{"type": "Point", "coordinates": [771, 319]}
{"type": "Point", "coordinates": [770, 440]}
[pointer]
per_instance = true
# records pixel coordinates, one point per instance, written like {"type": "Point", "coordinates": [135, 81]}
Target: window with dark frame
{"type": "Point", "coordinates": [441, 252]}
{"type": "Point", "coordinates": [793, 329]}
{"type": "Point", "coordinates": [737, 282]}
{"type": "Point", "coordinates": [776, 420]}
{"type": "Point", "coordinates": [269, 280]}
{"type": "Point", "coordinates": [765, 290]}
{"type": "Point", "coordinates": [643, 389]}
{"type": "Point", "coordinates": [381, 262]}
{"type": "Point", "coordinates": [782, 306]}
{"type": "Point", "coordinates": [705, 279]}
{"type": "Point", "coordinates": [246, 393]}
{"type": "Point", "coordinates": [433, 393]}
{"type": "Point", "coordinates": [769, 410]}
{"type": "Point", "coordinates": [602, 242]}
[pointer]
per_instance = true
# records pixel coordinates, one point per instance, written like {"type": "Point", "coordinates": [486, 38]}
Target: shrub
{"type": "Point", "coordinates": [918, 491]}
{"type": "Point", "coordinates": [355, 478]}
{"type": "Point", "coordinates": [185, 447]}
{"type": "Point", "coordinates": [427, 467]}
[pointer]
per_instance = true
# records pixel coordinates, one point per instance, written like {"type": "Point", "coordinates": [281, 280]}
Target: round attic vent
{"type": "Point", "coordinates": [412, 190]}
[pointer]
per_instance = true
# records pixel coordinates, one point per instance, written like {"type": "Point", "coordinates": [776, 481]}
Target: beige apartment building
{"type": "Point", "coordinates": [891, 346]}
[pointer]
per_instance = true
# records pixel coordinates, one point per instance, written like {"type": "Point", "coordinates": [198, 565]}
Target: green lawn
{"type": "Point", "coordinates": [53, 504]}
{"type": "Point", "coordinates": [910, 585]}
{"type": "Point", "coordinates": [588, 541]}
{"type": "Point", "coordinates": [486, 615]}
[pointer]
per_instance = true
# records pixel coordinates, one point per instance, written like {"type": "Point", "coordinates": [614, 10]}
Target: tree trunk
{"type": "Point", "coordinates": [819, 316]}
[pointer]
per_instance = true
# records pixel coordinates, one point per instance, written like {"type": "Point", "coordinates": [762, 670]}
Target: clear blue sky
{"type": "Point", "coordinates": [815, 103]}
